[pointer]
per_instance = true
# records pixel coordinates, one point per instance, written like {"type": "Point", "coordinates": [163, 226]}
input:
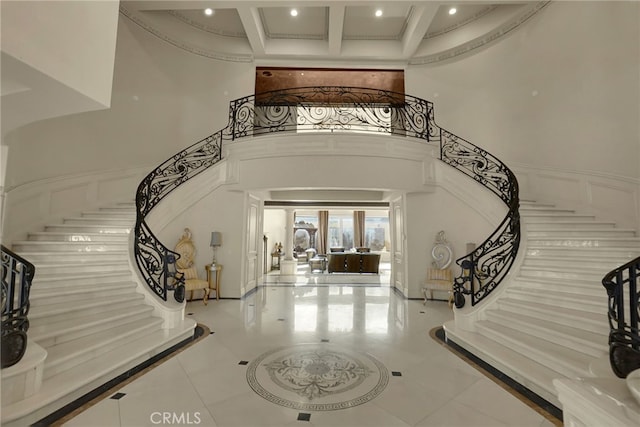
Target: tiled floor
{"type": "Point", "coordinates": [207, 384]}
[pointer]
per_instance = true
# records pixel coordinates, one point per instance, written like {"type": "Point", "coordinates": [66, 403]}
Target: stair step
{"type": "Point", "coordinates": [68, 309]}
{"type": "Point", "coordinates": [77, 268]}
{"type": "Point", "coordinates": [79, 258]}
{"type": "Point", "coordinates": [89, 228]}
{"type": "Point", "coordinates": [590, 275]}
{"type": "Point", "coordinates": [541, 284]}
{"type": "Point", "coordinates": [557, 216]}
{"type": "Point", "coordinates": [622, 254]}
{"type": "Point", "coordinates": [593, 303]}
{"type": "Point", "coordinates": [586, 242]}
{"type": "Point", "coordinates": [568, 362]}
{"type": "Point", "coordinates": [591, 343]}
{"type": "Point", "coordinates": [534, 209]}
{"type": "Point", "coordinates": [539, 224]}
{"type": "Point", "coordinates": [124, 214]}
{"type": "Point", "coordinates": [73, 282]}
{"type": "Point", "coordinates": [99, 221]}
{"type": "Point", "coordinates": [72, 353]}
{"type": "Point", "coordinates": [33, 246]}
{"type": "Point", "coordinates": [583, 232]}
{"type": "Point", "coordinates": [526, 371]}
{"type": "Point", "coordinates": [580, 319]}
{"type": "Point", "coordinates": [62, 389]}
{"type": "Point", "coordinates": [43, 297]}
{"type": "Point", "coordinates": [48, 333]}
{"type": "Point", "coordinates": [572, 262]}
{"type": "Point", "coordinates": [50, 236]}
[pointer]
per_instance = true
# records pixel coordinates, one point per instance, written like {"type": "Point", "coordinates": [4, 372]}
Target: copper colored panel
{"type": "Point", "coordinates": [275, 78]}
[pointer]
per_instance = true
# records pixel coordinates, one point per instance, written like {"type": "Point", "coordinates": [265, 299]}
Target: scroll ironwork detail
{"type": "Point", "coordinates": [485, 267]}
{"type": "Point", "coordinates": [623, 290]}
{"type": "Point", "coordinates": [336, 109]}
{"type": "Point", "coordinates": [16, 277]}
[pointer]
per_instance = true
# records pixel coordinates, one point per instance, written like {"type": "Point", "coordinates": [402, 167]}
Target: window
{"type": "Point", "coordinates": [376, 230]}
{"type": "Point", "coordinates": [340, 229]}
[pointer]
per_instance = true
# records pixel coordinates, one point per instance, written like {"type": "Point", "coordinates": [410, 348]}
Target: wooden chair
{"type": "Point", "coordinates": [438, 280]}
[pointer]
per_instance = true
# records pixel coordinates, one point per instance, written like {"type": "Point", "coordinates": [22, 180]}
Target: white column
{"type": "Point", "coordinates": [288, 265]}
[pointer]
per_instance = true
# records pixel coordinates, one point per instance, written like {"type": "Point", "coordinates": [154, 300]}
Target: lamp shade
{"type": "Point", "coordinates": [216, 238]}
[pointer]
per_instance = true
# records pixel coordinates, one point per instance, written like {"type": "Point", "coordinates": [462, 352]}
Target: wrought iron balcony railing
{"type": "Point", "coordinates": [623, 289]}
{"type": "Point", "coordinates": [16, 277]}
{"type": "Point", "coordinates": [337, 109]}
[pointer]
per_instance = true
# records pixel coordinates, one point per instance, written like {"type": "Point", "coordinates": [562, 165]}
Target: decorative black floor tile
{"type": "Point", "coordinates": [243, 362]}
{"type": "Point", "coordinates": [211, 333]}
{"type": "Point", "coordinates": [118, 396]}
{"type": "Point", "coordinates": [324, 340]}
{"type": "Point", "coordinates": [302, 416]}
{"type": "Point", "coordinates": [396, 373]}
{"type": "Point", "coordinates": [189, 314]}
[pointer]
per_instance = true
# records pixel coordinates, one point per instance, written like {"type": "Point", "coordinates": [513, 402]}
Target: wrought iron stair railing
{"type": "Point", "coordinates": [332, 108]}
{"type": "Point", "coordinates": [623, 290]}
{"type": "Point", "coordinates": [16, 277]}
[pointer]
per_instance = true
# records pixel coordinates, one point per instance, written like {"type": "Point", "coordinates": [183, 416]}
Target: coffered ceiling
{"type": "Point", "coordinates": [398, 32]}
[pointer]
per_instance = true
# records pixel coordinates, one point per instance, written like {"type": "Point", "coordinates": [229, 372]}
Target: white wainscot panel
{"type": "Point", "coordinates": [558, 187]}
{"type": "Point", "coordinates": [72, 198]}
{"type": "Point", "coordinates": [121, 188]}
{"type": "Point", "coordinates": [616, 202]}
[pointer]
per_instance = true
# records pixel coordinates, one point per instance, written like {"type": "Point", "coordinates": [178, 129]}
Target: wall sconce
{"type": "Point", "coordinates": [216, 240]}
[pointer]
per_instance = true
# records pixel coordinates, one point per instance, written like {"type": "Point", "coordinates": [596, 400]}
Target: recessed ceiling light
{"type": "Point", "coordinates": [208, 11]}
{"type": "Point", "coordinates": [294, 12]}
{"type": "Point", "coordinates": [379, 12]}
{"type": "Point", "coordinates": [452, 11]}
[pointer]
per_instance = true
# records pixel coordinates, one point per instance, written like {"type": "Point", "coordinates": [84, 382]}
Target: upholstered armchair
{"type": "Point", "coordinates": [185, 265]}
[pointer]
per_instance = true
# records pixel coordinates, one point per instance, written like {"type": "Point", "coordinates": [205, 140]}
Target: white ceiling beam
{"type": "Point", "coordinates": [253, 28]}
{"type": "Point", "coordinates": [417, 27]}
{"type": "Point", "coordinates": [336, 26]}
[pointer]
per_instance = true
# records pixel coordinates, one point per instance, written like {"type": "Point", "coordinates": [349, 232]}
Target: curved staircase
{"type": "Point", "coordinates": [86, 311]}
{"type": "Point", "coordinates": [551, 320]}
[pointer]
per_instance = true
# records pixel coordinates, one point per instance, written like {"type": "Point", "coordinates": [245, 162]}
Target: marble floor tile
{"type": "Point", "coordinates": [372, 348]}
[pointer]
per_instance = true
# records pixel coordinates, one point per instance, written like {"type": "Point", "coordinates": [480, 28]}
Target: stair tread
{"type": "Point", "coordinates": [44, 291]}
{"type": "Point", "coordinates": [80, 275]}
{"type": "Point", "coordinates": [586, 315]}
{"type": "Point", "coordinates": [587, 299]}
{"type": "Point", "coordinates": [48, 327]}
{"type": "Point", "coordinates": [98, 370]}
{"type": "Point", "coordinates": [555, 327]}
{"type": "Point", "coordinates": [571, 359]}
{"type": "Point", "coordinates": [539, 378]}
{"type": "Point", "coordinates": [70, 307]}
{"type": "Point", "coordinates": [64, 350]}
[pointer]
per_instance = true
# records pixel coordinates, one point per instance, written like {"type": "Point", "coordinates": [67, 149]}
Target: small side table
{"type": "Point", "coordinates": [213, 277]}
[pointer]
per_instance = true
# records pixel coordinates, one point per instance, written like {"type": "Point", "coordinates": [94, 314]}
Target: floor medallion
{"type": "Point", "coordinates": [317, 377]}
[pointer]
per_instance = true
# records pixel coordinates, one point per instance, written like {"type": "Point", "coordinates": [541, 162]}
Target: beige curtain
{"type": "Point", "coordinates": [358, 229]}
{"type": "Point", "coordinates": [323, 232]}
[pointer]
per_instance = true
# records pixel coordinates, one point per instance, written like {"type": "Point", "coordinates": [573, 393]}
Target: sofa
{"type": "Point", "coordinates": [353, 262]}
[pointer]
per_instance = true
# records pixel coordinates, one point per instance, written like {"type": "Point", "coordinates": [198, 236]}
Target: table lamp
{"type": "Point", "coordinates": [216, 240]}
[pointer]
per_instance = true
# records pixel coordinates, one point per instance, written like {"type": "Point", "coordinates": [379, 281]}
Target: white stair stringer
{"type": "Point", "coordinates": [86, 310]}
{"type": "Point", "coordinates": [550, 320]}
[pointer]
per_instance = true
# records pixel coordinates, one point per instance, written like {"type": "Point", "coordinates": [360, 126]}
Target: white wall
{"type": "Point", "coordinates": [164, 99]}
{"type": "Point", "coordinates": [560, 92]}
{"type": "Point", "coordinates": [75, 41]}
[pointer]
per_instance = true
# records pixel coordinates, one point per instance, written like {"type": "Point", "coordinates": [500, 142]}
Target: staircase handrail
{"type": "Point", "coordinates": [624, 335]}
{"type": "Point", "coordinates": [16, 277]}
{"type": "Point", "coordinates": [336, 108]}
{"type": "Point", "coordinates": [485, 267]}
